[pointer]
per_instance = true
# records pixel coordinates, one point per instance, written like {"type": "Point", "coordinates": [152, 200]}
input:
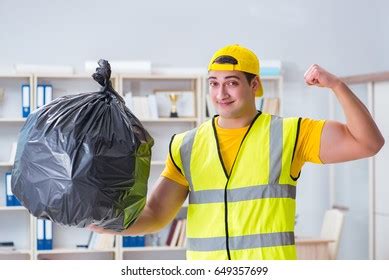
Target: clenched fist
{"type": "Point", "coordinates": [317, 76]}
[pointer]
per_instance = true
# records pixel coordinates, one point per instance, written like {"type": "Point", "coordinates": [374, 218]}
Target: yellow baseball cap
{"type": "Point", "coordinates": [246, 61]}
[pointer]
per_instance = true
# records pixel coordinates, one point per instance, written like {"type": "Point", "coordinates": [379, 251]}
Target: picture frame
{"type": "Point", "coordinates": [186, 106]}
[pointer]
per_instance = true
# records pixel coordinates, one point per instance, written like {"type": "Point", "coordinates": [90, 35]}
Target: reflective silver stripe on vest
{"type": "Point", "coordinates": [241, 242]}
{"type": "Point", "coordinates": [275, 149]}
{"type": "Point", "coordinates": [186, 153]}
{"type": "Point", "coordinates": [241, 194]}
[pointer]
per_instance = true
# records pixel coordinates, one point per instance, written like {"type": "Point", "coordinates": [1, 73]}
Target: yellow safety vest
{"type": "Point", "coordinates": [249, 213]}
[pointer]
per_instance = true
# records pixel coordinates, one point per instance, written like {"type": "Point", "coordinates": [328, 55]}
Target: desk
{"type": "Point", "coordinates": [313, 248]}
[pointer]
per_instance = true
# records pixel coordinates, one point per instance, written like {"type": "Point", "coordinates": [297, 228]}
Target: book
{"type": "Point", "coordinates": [171, 232]}
{"type": "Point", "coordinates": [134, 241]}
{"type": "Point", "coordinates": [40, 96]}
{"type": "Point", "coordinates": [40, 234]}
{"type": "Point", "coordinates": [26, 104]}
{"type": "Point", "coordinates": [182, 236]}
{"type": "Point", "coordinates": [48, 239]}
{"type": "Point", "coordinates": [153, 107]}
{"type": "Point", "coordinates": [176, 234]}
{"type": "Point", "coordinates": [48, 94]}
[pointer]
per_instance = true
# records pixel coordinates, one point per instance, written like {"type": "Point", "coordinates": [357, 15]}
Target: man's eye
{"type": "Point", "coordinates": [232, 83]}
{"type": "Point", "coordinates": [212, 84]}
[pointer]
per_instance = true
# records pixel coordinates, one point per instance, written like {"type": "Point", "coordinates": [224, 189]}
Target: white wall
{"type": "Point", "coordinates": [347, 37]}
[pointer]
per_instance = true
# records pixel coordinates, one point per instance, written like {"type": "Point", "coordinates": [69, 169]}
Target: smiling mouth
{"type": "Point", "coordinates": [225, 103]}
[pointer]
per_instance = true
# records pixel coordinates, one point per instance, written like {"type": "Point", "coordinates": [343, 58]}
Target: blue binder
{"type": "Point", "coordinates": [8, 191]}
{"type": "Point", "coordinates": [40, 233]}
{"type": "Point", "coordinates": [25, 100]}
{"type": "Point", "coordinates": [11, 199]}
{"type": "Point", "coordinates": [48, 94]}
{"type": "Point", "coordinates": [134, 241]}
{"type": "Point", "coordinates": [40, 96]}
{"type": "Point", "coordinates": [48, 240]}
{"type": "Point", "coordinates": [15, 201]}
{"type": "Point", "coordinates": [140, 241]}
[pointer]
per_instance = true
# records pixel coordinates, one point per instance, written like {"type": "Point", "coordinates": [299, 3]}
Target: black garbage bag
{"type": "Point", "coordinates": [84, 159]}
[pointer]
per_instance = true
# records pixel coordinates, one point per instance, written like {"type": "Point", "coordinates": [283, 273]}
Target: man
{"type": "Point", "coordinates": [241, 168]}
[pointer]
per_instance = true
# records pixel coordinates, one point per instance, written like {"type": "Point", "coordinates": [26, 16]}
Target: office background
{"type": "Point", "coordinates": [346, 37]}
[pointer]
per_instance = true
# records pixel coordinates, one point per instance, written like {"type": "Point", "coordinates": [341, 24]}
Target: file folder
{"type": "Point", "coordinates": [11, 199]}
{"type": "Point", "coordinates": [40, 96]}
{"type": "Point", "coordinates": [48, 235]}
{"type": "Point", "coordinates": [134, 241]}
{"type": "Point", "coordinates": [8, 190]}
{"type": "Point", "coordinates": [48, 94]}
{"type": "Point", "coordinates": [25, 100]}
{"type": "Point", "coordinates": [40, 229]}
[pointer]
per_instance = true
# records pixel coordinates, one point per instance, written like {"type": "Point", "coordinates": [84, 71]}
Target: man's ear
{"type": "Point", "coordinates": [255, 84]}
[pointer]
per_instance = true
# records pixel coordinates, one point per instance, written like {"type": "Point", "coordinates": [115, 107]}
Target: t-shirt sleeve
{"type": "Point", "coordinates": [172, 172]}
{"type": "Point", "coordinates": [308, 144]}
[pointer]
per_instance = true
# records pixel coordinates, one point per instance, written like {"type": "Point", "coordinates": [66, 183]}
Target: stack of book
{"type": "Point", "coordinates": [177, 234]}
{"type": "Point", "coordinates": [143, 107]}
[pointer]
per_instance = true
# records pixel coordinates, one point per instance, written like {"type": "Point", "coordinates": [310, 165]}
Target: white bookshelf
{"type": "Point", "coordinates": [66, 239]}
{"type": "Point", "coordinates": [15, 221]}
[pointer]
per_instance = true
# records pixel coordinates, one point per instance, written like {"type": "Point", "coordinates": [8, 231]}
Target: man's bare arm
{"type": "Point", "coordinates": [163, 205]}
{"type": "Point", "coordinates": [359, 137]}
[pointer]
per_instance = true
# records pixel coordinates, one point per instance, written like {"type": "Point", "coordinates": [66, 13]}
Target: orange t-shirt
{"type": "Point", "coordinates": [307, 149]}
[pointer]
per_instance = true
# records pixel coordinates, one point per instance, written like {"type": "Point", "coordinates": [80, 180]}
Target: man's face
{"type": "Point", "coordinates": [231, 94]}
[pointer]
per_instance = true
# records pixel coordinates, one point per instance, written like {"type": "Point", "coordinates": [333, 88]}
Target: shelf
{"type": "Point", "coordinates": [169, 120]}
{"type": "Point", "coordinates": [153, 248]}
{"type": "Point", "coordinates": [6, 164]}
{"type": "Point", "coordinates": [15, 252]}
{"type": "Point", "coordinates": [68, 76]}
{"type": "Point", "coordinates": [75, 250]}
{"type": "Point", "coordinates": [16, 255]}
{"type": "Point", "coordinates": [11, 120]}
{"type": "Point", "coordinates": [13, 208]}
{"type": "Point", "coordinates": [15, 75]}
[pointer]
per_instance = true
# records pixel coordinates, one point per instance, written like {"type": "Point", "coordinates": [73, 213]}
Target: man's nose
{"type": "Point", "coordinates": [222, 92]}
